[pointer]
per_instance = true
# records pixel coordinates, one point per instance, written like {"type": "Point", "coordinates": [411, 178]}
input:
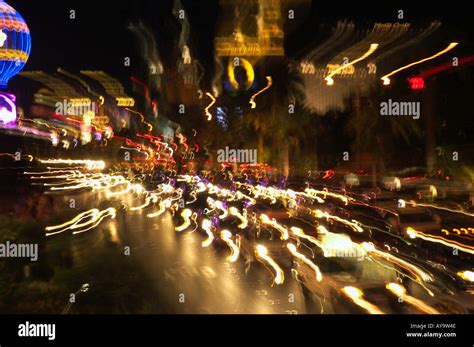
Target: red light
{"type": "Point", "coordinates": [416, 83]}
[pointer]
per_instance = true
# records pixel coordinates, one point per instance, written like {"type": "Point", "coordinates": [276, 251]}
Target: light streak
{"type": "Point", "coordinates": [226, 236]}
{"type": "Point", "coordinates": [206, 226]}
{"type": "Point", "coordinates": [413, 203]}
{"type": "Point", "coordinates": [262, 253]}
{"type": "Point", "coordinates": [148, 201]}
{"type": "Point", "coordinates": [95, 217]}
{"type": "Point", "coordinates": [356, 295]}
{"type": "Point", "coordinates": [386, 80]}
{"type": "Point", "coordinates": [412, 233]}
{"type": "Point", "coordinates": [186, 214]}
{"type": "Point", "coordinates": [371, 50]}
{"type": "Point", "coordinates": [164, 204]}
{"type": "Point", "coordinates": [252, 99]}
{"type": "Point", "coordinates": [416, 271]}
{"type": "Point", "coordinates": [299, 233]}
{"type": "Point", "coordinates": [313, 193]}
{"type": "Point", "coordinates": [221, 207]}
{"type": "Point", "coordinates": [466, 275]}
{"type": "Point", "coordinates": [420, 276]}
{"type": "Point", "coordinates": [213, 101]}
{"type": "Point", "coordinates": [243, 217]}
{"type": "Point", "coordinates": [308, 262]}
{"type": "Point", "coordinates": [88, 164]}
{"type": "Point", "coordinates": [352, 224]}
{"type": "Point", "coordinates": [142, 118]}
{"type": "Point", "coordinates": [400, 292]}
{"type": "Point", "coordinates": [284, 235]}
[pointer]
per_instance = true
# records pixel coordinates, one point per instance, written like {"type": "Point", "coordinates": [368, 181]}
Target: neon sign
{"type": "Point", "coordinates": [7, 108]}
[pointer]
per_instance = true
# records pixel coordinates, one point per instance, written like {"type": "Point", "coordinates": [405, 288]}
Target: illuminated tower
{"type": "Point", "coordinates": [15, 47]}
{"type": "Point", "coordinates": [257, 29]}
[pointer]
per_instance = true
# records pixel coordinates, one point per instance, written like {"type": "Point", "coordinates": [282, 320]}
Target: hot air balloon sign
{"type": "Point", "coordinates": [15, 47]}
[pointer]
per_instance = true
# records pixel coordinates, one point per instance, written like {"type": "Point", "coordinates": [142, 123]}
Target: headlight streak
{"type": "Point", "coordinates": [220, 205]}
{"type": "Point", "coordinates": [420, 276]}
{"type": "Point", "coordinates": [148, 201]}
{"type": "Point", "coordinates": [305, 260]}
{"type": "Point", "coordinates": [95, 217]}
{"type": "Point", "coordinates": [400, 292]}
{"type": "Point", "coordinates": [70, 179]}
{"type": "Point", "coordinates": [386, 79]}
{"type": "Point", "coordinates": [412, 233]}
{"type": "Point", "coordinates": [262, 255]}
{"type": "Point", "coordinates": [88, 164]}
{"type": "Point", "coordinates": [207, 227]}
{"type": "Point", "coordinates": [325, 193]}
{"type": "Point", "coordinates": [186, 214]}
{"type": "Point", "coordinates": [466, 275]}
{"type": "Point", "coordinates": [164, 205]}
{"type": "Point", "coordinates": [356, 295]}
{"type": "Point", "coordinates": [353, 224]}
{"type": "Point", "coordinates": [233, 211]}
{"type": "Point", "coordinates": [413, 203]}
{"type": "Point", "coordinates": [226, 236]}
{"type": "Point", "coordinates": [284, 235]}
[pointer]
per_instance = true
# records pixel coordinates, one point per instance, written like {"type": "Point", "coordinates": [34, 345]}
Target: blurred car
{"type": "Point", "coordinates": [418, 218]}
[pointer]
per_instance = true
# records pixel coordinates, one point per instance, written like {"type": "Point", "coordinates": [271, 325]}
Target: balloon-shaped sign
{"type": "Point", "coordinates": [15, 43]}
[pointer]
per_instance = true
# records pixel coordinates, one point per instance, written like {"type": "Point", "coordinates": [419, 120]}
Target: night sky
{"type": "Point", "coordinates": [99, 39]}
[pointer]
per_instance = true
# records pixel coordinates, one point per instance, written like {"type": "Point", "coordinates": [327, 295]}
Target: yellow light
{"type": "Point", "coordinates": [148, 201]}
{"type": "Point", "coordinates": [252, 99]}
{"type": "Point", "coordinates": [226, 236]}
{"type": "Point", "coordinates": [164, 204]}
{"type": "Point", "coordinates": [243, 217]}
{"type": "Point", "coordinates": [284, 235]}
{"type": "Point", "coordinates": [412, 233]}
{"type": "Point", "coordinates": [13, 55]}
{"type": "Point", "coordinates": [400, 292]}
{"type": "Point", "coordinates": [93, 217]}
{"type": "Point", "coordinates": [186, 214]}
{"type": "Point", "coordinates": [371, 50]}
{"type": "Point", "coordinates": [356, 295]}
{"type": "Point", "coordinates": [125, 102]}
{"type": "Point", "coordinates": [142, 119]}
{"type": "Point", "coordinates": [88, 164]}
{"type": "Point", "coordinates": [313, 193]}
{"type": "Point", "coordinates": [245, 64]}
{"type": "Point", "coordinates": [353, 224]}
{"type": "Point", "coordinates": [416, 271]}
{"type": "Point", "coordinates": [3, 38]}
{"type": "Point", "coordinates": [213, 101]}
{"type": "Point", "coordinates": [221, 207]}
{"type": "Point", "coordinates": [466, 275]}
{"type": "Point", "coordinates": [386, 80]}
{"type": "Point", "coordinates": [206, 226]}
{"type": "Point", "coordinates": [262, 252]}
{"type": "Point", "coordinates": [308, 262]}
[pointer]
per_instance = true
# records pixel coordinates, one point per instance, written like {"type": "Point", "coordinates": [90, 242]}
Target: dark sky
{"type": "Point", "coordinates": [98, 38]}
